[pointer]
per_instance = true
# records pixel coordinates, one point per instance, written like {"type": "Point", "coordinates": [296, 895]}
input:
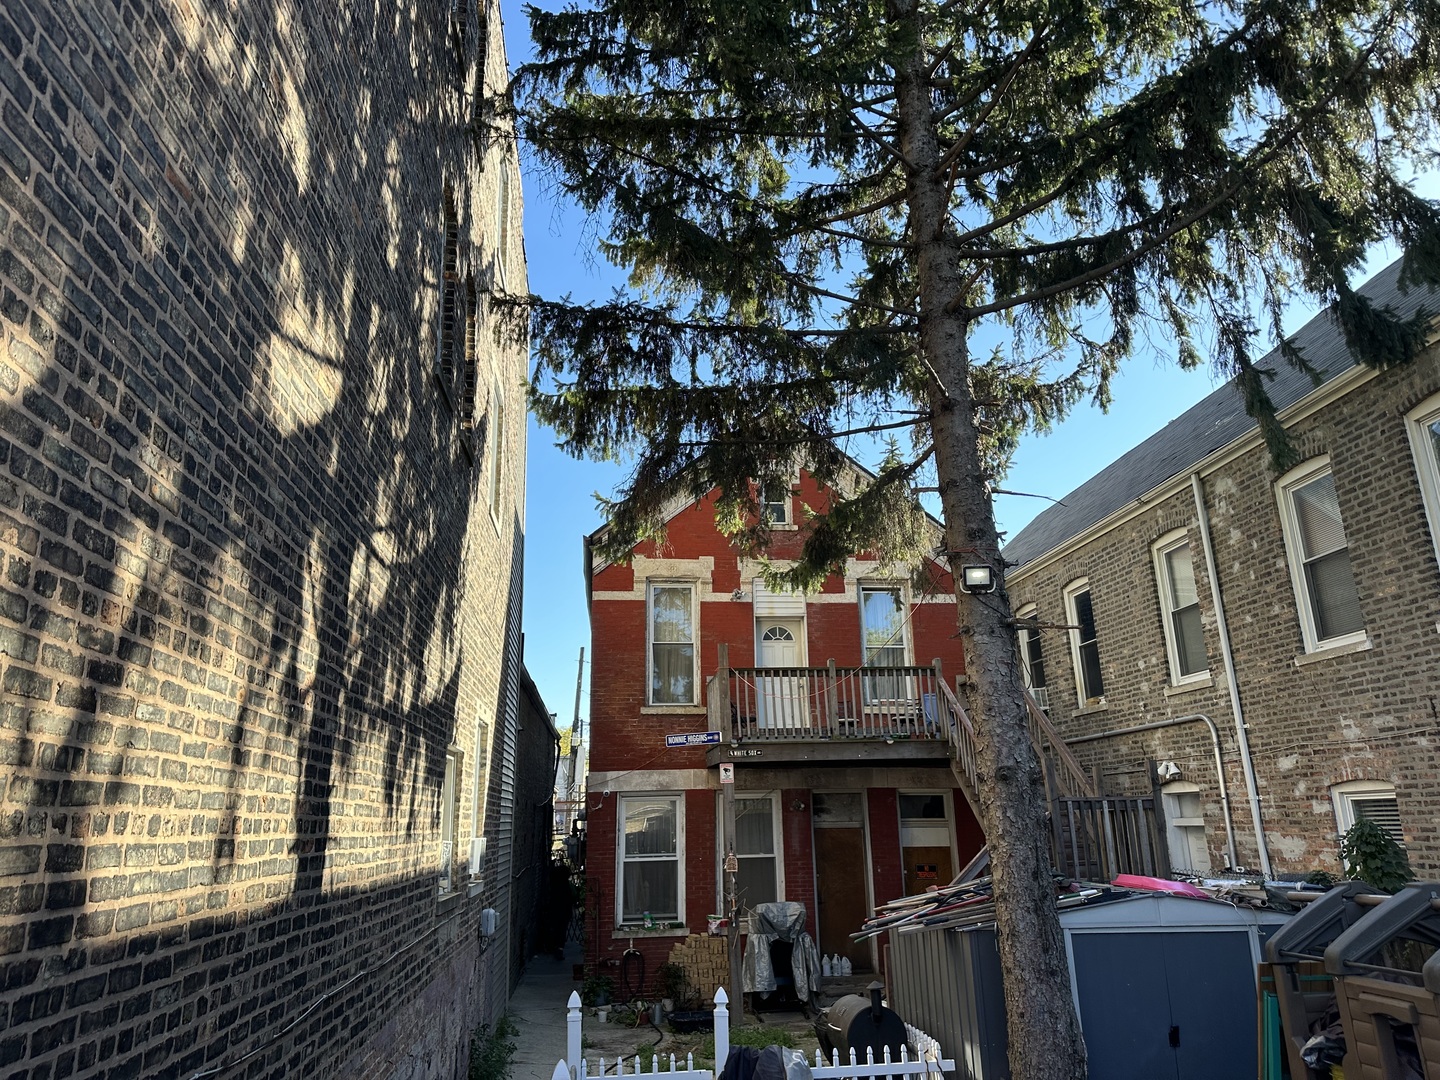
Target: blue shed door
{"type": "Point", "coordinates": [1157, 1006]}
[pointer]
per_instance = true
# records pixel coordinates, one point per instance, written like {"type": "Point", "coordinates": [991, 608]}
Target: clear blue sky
{"type": "Point", "coordinates": [561, 508]}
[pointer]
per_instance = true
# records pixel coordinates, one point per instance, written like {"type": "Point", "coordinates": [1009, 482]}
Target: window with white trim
{"type": "Point", "coordinates": [1180, 608]}
{"type": "Point", "coordinates": [1423, 425]}
{"type": "Point", "coordinates": [1032, 658]}
{"type": "Point", "coordinates": [1084, 642]}
{"type": "Point", "coordinates": [757, 850]}
{"type": "Point", "coordinates": [449, 799]}
{"type": "Point", "coordinates": [1373, 800]}
{"type": "Point", "coordinates": [775, 505]}
{"type": "Point", "coordinates": [1319, 557]}
{"type": "Point", "coordinates": [672, 643]}
{"type": "Point", "coordinates": [651, 872]}
{"type": "Point", "coordinates": [884, 637]}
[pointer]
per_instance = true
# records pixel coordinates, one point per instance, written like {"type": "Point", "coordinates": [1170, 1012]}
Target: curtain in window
{"type": "Point", "coordinates": [672, 646]}
{"type": "Point", "coordinates": [650, 854]}
{"type": "Point", "coordinates": [756, 882]}
{"type": "Point", "coordinates": [1185, 611]}
{"type": "Point", "coordinates": [882, 617]}
{"type": "Point", "coordinates": [1329, 580]}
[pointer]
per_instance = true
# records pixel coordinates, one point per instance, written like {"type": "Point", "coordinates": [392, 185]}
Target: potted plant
{"type": "Point", "coordinates": [597, 989]}
{"type": "Point", "coordinates": [673, 985]}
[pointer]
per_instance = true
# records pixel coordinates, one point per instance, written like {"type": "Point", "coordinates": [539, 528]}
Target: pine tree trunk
{"type": "Point", "coordinates": [1045, 1041]}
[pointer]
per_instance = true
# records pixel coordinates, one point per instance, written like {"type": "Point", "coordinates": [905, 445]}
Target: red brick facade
{"type": "Point", "coordinates": [858, 780]}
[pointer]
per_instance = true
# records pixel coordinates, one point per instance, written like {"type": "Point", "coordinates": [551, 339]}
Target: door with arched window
{"type": "Point", "coordinates": [780, 698]}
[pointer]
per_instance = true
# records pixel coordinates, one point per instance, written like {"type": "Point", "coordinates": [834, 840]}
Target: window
{"type": "Point", "coordinates": [1423, 424]}
{"type": "Point", "coordinates": [469, 383]}
{"type": "Point", "coordinates": [1319, 557]}
{"type": "Point", "coordinates": [1185, 822]}
{"type": "Point", "coordinates": [502, 210]}
{"type": "Point", "coordinates": [775, 507]}
{"type": "Point", "coordinates": [497, 448]}
{"type": "Point", "coordinates": [672, 644]}
{"type": "Point", "coordinates": [1373, 800]}
{"type": "Point", "coordinates": [758, 881]}
{"type": "Point", "coordinates": [1180, 608]}
{"type": "Point", "coordinates": [452, 300]}
{"type": "Point", "coordinates": [652, 835]}
{"type": "Point", "coordinates": [882, 622]}
{"type": "Point", "coordinates": [448, 798]}
{"type": "Point", "coordinates": [1084, 646]}
{"type": "Point", "coordinates": [1032, 659]}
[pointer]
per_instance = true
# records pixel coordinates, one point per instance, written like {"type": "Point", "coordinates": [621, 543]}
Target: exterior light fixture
{"type": "Point", "coordinates": [977, 579]}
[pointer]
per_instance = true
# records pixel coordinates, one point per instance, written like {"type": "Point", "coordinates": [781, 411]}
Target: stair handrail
{"type": "Point", "coordinates": [1071, 776]}
{"type": "Point", "coordinates": [961, 735]}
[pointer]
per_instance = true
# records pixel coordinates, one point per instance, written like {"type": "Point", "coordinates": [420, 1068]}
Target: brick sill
{"type": "Point", "coordinates": [1333, 651]}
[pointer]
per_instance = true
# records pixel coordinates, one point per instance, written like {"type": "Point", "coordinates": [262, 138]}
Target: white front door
{"type": "Point", "coordinates": [781, 698]}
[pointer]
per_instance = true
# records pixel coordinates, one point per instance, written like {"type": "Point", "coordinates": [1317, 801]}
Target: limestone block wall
{"type": "Point", "coordinates": [261, 514]}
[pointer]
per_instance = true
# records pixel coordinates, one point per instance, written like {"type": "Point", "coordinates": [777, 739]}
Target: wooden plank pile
{"type": "Point", "coordinates": [960, 904]}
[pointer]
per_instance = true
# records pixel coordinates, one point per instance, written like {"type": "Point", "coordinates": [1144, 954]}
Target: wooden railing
{"type": "Point", "coordinates": [778, 704]}
{"type": "Point", "coordinates": [1099, 838]}
{"type": "Point", "coordinates": [1062, 769]}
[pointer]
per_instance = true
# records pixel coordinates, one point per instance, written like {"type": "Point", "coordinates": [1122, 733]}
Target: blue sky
{"type": "Point", "coordinates": [561, 508]}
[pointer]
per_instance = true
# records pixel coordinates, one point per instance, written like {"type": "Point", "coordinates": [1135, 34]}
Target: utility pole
{"type": "Point", "coordinates": [575, 730]}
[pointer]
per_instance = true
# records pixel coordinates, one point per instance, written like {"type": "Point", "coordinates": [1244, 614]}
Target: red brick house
{"type": "Point", "coordinates": [833, 707]}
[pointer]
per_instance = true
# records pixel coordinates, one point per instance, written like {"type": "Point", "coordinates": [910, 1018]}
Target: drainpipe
{"type": "Point", "coordinates": [1242, 740]}
{"type": "Point", "coordinates": [1219, 762]}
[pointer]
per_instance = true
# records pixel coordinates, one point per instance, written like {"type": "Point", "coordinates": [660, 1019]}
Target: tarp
{"type": "Point", "coordinates": [782, 921]}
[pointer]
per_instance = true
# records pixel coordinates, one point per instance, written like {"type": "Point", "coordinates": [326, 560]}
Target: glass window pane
{"type": "Point", "coordinates": [834, 807]}
{"type": "Point", "coordinates": [650, 827]}
{"type": "Point", "coordinates": [1033, 659]}
{"type": "Point", "coordinates": [1085, 616]}
{"type": "Point", "coordinates": [1317, 513]}
{"type": "Point", "coordinates": [884, 620]}
{"type": "Point", "coordinates": [1189, 640]}
{"type": "Point", "coordinates": [928, 807]}
{"type": "Point", "coordinates": [1090, 671]}
{"type": "Point", "coordinates": [755, 882]}
{"type": "Point", "coordinates": [670, 607]}
{"type": "Point", "coordinates": [754, 834]}
{"type": "Point", "coordinates": [672, 674]}
{"type": "Point", "coordinates": [1333, 595]}
{"type": "Point", "coordinates": [653, 887]}
{"type": "Point", "coordinates": [1182, 577]}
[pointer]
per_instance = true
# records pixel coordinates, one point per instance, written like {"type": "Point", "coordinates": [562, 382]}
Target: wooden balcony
{"type": "Point", "coordinates": [831, 715]}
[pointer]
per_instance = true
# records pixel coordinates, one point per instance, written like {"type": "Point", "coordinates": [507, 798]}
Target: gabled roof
{"type": "Point", "coordinates": [1214, 423]}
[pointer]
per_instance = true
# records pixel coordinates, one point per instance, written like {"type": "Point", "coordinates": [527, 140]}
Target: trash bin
{"type": "Point", "coordinates": [1295, 954]}
{"type": "Point", "coordinates": [1387, 983]}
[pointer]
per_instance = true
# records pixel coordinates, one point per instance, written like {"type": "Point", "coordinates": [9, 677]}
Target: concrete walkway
{"type": "Point", "coordinates": [538, 1009]}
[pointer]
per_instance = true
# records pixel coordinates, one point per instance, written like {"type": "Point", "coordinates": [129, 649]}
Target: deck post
{"type": "Point", "coordinates": [832, 698]}
{"type": "Point", "coordinates": [722, 693]}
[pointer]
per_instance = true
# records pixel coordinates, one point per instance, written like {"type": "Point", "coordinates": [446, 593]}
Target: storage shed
{"type": "Point", "coordinates": [1164, 985]}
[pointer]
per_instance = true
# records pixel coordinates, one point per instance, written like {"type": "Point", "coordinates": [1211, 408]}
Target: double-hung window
{"type": "Point", "coordinates": [883, 635]}
{"type": "Point", "coordinates": [775, 506]}
{"type": "Point", "coordinates": [1319, 557]}
{"type": "Point", "coordinates": [758, 880]}
{"type": "Point", "coordinates": [1084, 642]}
{"type": "Point", "coordinates": [1423, 424]}
{"type": "Point", "coordinates": [1180, 608]}
{"type": "Point", "coordinates": [1032, 658]}
{"type": "Point", "coordinates": [652, 835]}
{"type": "Point", "coordinates": [672, 643]}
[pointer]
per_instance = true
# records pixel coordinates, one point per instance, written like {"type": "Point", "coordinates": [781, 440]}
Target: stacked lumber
{"type": "Point", "coordinates": [957, 905]}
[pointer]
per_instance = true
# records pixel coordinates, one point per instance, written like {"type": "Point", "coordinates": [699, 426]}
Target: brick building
{"type": "Point", "coordinates": [262, 487]}
{"type": "Point", "coordinates": [831, 707]}
{"type": "Point", "coordinates": [1288, 625]}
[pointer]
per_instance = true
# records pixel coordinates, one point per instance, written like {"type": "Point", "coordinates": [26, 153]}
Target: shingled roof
{"type": "Point", "coordinates": [1195, 434]}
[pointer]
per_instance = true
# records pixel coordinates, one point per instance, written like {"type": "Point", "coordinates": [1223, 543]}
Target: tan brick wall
{"type": "Point", "coordinates": [253, 588]}
{"type": "Point", "coordinates": [1363, 715]}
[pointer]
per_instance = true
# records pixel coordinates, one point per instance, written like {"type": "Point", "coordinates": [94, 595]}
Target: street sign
{"type": "Point", "coordinates": [694, 738]}
{"type": "Point", "coordinates": [727, 772]}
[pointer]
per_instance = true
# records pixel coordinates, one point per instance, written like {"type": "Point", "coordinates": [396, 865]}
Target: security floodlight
{"type": "Point", "coordinates": [977, 579]}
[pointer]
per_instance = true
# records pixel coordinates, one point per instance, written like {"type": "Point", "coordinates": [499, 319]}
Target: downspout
{"type": "Point", "coordinates": [1219, 762]}
{"type": "Point", "coordinates": [1242, 740]}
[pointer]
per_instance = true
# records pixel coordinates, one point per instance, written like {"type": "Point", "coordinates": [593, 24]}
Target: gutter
{"type": "Point", "coordinates": [1242, 738]}
{"type": "Point", "coordinates": [1194, 718]}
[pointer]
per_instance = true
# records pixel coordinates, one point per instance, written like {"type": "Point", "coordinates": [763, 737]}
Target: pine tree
{"type": "Point", "coordinates": [952, 222]}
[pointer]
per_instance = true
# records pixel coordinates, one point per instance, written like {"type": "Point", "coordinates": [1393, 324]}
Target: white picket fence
{"type": "Point", "coordinates": [920, 1056]}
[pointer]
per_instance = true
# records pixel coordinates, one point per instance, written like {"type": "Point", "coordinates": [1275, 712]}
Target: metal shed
{"type": "Point", "coordinates": [1165, 988]}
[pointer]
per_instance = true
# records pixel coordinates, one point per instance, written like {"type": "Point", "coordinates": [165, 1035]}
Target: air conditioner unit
{"type": "Point", "coordinates": [1041, 694]}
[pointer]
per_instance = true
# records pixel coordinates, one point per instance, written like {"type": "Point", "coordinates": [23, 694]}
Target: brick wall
{"type": "Point", "coordinates": [255, 585]}
{"type": "Point", "coordinates": [1369, 714]}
